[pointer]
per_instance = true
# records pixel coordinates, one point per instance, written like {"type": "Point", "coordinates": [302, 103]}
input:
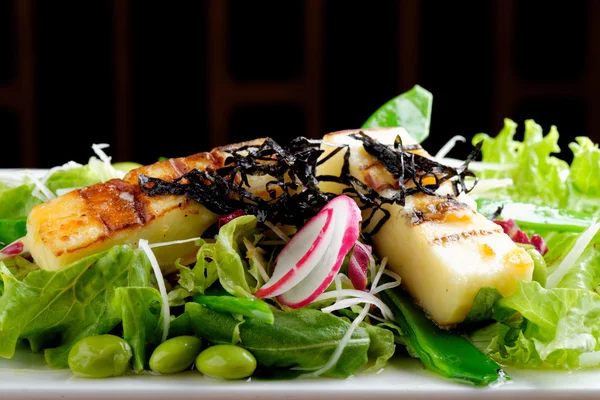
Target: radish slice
{"type": "Point", "coordinates": [12, 250]}
{"type": "Point", "coordinates": [359, 265]}
{"type": "Point", "coordinates": [300, 255]}
{"type": "Point", "coordinates": [346, 218]}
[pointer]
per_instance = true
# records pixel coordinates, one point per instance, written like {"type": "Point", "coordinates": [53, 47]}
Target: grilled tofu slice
{"type": "Point", "coordinates": [95, 218]}
{"type": "Point", "coordinates": [441, 247]}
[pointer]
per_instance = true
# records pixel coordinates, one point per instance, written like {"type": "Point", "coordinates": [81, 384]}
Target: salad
{"type": "Point", "coordinates": [262, 260]}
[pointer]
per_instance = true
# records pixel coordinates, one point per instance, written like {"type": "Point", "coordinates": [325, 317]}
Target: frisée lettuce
{"type": "Point", "coordinates": [557, 326]}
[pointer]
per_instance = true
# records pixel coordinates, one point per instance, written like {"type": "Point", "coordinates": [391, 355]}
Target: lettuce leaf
{"type": "Point", "coordinates": [502, 149]}
{"type": "Point", "coordinates": [543, 328]}
{"type": "Point", "coordinates": [585, 167]}
{"type": "Point", "coordinates": [537, 175]}
{"type": "Point", "coordinates": [585, 273]}
{"type": "Point", "coordinates": [140, 309]}
{"type": "Point", "coordinates": [71, 303]}
{"type": "Point", "coordinates": [540, 177]}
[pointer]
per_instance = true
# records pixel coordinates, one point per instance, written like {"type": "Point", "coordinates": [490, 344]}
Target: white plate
{"type": "Point", "coordinates": [26, 376]}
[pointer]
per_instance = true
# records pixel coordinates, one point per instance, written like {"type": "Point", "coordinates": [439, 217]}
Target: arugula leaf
{"type": "Point", "coordinates": [302, 339]}
{"type": "Point", "coordinates": [140, 309]}
{"type": "Point", "coordinates": [410, 110]}
{"type": "Point", "coordinates": [74, 301]}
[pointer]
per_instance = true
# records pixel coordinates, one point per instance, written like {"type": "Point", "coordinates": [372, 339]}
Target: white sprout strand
{"type": "Point", "coordinates": [342, 344]}
{"type": "Point", "coordinates": [261, 270]}
{"type": "Point", "coordinates": [392, 274]}
{"type": "Point", "coordinates": [349, 302]}
{"type": "Point", "coordinates": [385, 286]}
{"type": "Point", "coordinates": [379, 273]}
{"type": "Point", "coordinates": [143, 245]}
{"type": "Point", "coordinates": [110, 171]}
{"type": "Point", "coordinates": [582, 242]}
{"type": "Point", "coordinates": [375, 317]}
{"type": "Point", "coordinates": [449, 146]}
{"type": "Point", "coordinates": [338, 286]}
{"type": "Point", "coordinates": [41, 183]}
{"type": "Point", "coordinates": [277, 231]}
{"type": "Point", "coordinates": [343, 293]}
{"type": "Point", "coordinates": [160, 244]}
{"type": "Point", "coordinates": [41, 191]}
{"type": "Point", "coordinates": [97, 147]}
{"type": "Point", "coordinates": [352, 297]}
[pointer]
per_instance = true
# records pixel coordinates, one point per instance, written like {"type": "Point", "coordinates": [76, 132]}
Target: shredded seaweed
{"type": "Point", "coordinates": [293, 195]}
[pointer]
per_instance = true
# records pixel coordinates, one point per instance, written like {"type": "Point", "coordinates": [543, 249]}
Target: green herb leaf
{"type": "Point", "coordinates": [410, 110]}
{"type": "Point", "coordinates": [303, 338]}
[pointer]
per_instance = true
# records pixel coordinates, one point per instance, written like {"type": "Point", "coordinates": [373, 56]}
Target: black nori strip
{"type": "Point", "coordinates": [293, 168]}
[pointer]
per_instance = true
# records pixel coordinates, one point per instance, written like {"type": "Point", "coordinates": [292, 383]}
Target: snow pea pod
{"type": "Point", "coordinates": [536, 217]}
{"type": "Point", "coordinates": [446, 353]}
{"type": "Point", "coordinates": [12, 229]}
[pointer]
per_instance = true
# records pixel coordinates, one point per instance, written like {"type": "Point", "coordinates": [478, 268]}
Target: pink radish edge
{"type": "Point", "coordinates": [268, 290]}
{"type": "Point", "coordinates": [350, 237]}
{"type": "Point", "coordinates": [359, 265]}
{"type": "Point", "coordinates": [12, 250]}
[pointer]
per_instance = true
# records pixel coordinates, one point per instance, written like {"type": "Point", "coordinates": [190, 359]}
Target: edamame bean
{"type": "Point", "coordinates": [100, 356]}
{"type": "Point", "coordinates": [226, 361]}
{"type": "Point", "coordinates": [540, 272]}
{"type": "Point", "coordinates": [175, 355]}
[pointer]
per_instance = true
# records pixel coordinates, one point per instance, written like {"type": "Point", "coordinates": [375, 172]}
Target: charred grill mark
{"type": "Point", "coordinates": [115, 204]}
{"type": "Point", "coordinates": [179, 166]}
{"type": "Point", "coordinates": [455, 237]}
{"type": "Point", "coordinates": [439, 211]}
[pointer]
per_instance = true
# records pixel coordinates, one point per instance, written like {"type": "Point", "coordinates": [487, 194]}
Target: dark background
{"type": "Point", "coordinates": [174, 78]}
